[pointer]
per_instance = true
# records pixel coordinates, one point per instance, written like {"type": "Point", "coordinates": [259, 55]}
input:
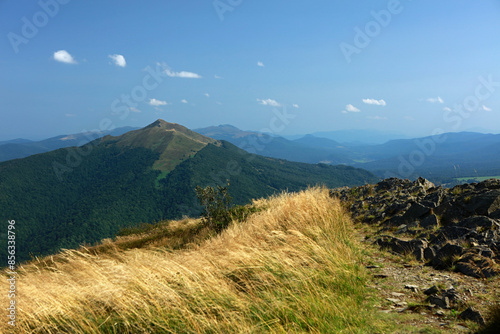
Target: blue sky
{"type": "Point", "coordinates": [292, 67]}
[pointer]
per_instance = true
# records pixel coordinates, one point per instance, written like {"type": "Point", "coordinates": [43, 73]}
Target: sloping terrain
{"type": "Point", "coordinates": [445, 245]}
{"type": "Point", "coordinates": [21, 148]}
{"type": "Point", "coordinates": [67, 197]}
{"type": "Point", "coordinates": [279, 147]}
{"type": "Point", "coordinates": [292, 267]}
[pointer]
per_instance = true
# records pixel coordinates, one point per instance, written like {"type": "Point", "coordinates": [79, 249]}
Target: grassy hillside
{"type": "Point", "coordinates": [124, 181]}
{"type": "Point", "coordinates": [290, 268]}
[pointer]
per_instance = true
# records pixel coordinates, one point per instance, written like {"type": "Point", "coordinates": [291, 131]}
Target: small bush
{"type": "Point", "coordinates": [216, 206]}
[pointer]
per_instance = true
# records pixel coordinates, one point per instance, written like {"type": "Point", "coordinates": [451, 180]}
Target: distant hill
{"type": "Point", "coordinates": [69, 196]}
{"type": "Point", "coordinates": [360, 137]}
{"type": "Point", "coordinates": [277, 147]}
{"type": "Point", "coordinates": [440, 159]}
{"type": "Point", "coordinates": [16, 141]}
{"type": "Point", "coordinates": [21, 148]}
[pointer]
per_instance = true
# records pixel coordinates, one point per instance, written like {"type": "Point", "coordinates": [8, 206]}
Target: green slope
{"type": "Point", "coordinates": [254, 176]}
{"type": "Point", "coordinates": [115, 184]}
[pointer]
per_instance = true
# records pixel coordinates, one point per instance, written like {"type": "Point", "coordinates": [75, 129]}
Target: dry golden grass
{"type": "Point", "coordinates": [290, 268]}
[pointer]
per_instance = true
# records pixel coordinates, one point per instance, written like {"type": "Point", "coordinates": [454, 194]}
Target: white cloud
{"type": "Point", "coordinates": [447, 109]}
{"type": "Point", "coordinates": [351, 108]}
{"type": "Point", "coordinates": [63, 56]}
{"type": "Point", "coordinates": [375, 102]}
{"type": "Point", "coordinates": [207, 95]}
{"type": "Point", "coordinates": [157, 103]}
{"type": "Point", "coordinates": [409, 118]}
{"type": "Point", "coordinates": [269, 102]}
{"type": "Point", "coordinates": [182, 74]}
{"type": "Point", "coordinates": [377, 118]}
{"type": "Point", "coordinates": [435, 100]}
{"type": "Point", "coordinates": [70, 115]}
{"type": "Point", "coordinates": [219, 103]}
{"type": "Point", "coordinates": [260, 64]}
{"type": "Point", "coordinates": [295, 106]}
{"type": "Point", "coordinates": [485, 108]}
{"type": "Point", "coordinates": [184, 101]}
{"type": "Point", "coordinates": [218, 77]}
{"type": "Point", "coordinates": [134, 109]}
{"type": "Point", "coordinates": [118, 60]}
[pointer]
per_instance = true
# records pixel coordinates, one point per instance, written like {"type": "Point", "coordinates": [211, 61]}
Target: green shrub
{"type": "Point", "coordinates": [216, 206]}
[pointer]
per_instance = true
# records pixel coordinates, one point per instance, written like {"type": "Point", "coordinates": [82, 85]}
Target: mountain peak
{"type": "Point", "coordinates": [174, 142]}
{"type": "Point", "coordinates": [159, 123]}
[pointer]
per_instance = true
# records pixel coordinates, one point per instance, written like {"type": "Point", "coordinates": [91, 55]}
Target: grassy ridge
{"type": "Point", "coordinates": [290, 268]}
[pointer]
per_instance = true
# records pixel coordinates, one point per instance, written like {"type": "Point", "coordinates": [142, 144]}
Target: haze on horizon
{"type": "Point", "coordinates": [295, 67]}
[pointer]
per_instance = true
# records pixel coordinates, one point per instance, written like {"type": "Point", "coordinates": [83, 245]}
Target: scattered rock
{"type": "Point", "coordinates": [434, 224]}
{"type": "Point", "coordinates": [442, 302]}
{"type": "Point", "coordinates": [432, 290]}
{"type": "Point", "coordinates": [416, 211]}
{"type": "Point", "coordinates": [473, 315]}
{"type": "Point", "coordinates": [446, 256]}
{"type": "Point", "coordinates": [412, 288]}
{"type": "Point", "coordinates": [477, 266]}
{"type": "Point", "coordinates": [397, 294]}
{"type": "Point", "coordinates": [372, 267]}
{"type": "Point", "coordinates": [380, 276]}
{"type": "Point", "coordinates": [430, 222]}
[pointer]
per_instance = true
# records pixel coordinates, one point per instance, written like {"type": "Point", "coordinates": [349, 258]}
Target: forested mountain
{"type": "Point", "coordinates": [278, 147]}
{"type": "Point", "coordinates": [441, 159]}
{"type": "Point", "coordinates": [69, 196]}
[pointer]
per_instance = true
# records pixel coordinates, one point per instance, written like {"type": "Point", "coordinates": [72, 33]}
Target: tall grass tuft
{"type": "Point", "coordinates": [290, 268]}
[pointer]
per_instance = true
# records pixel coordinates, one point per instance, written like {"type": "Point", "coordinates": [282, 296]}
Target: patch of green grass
{"type": "Point", "coordinates": [476, 178]}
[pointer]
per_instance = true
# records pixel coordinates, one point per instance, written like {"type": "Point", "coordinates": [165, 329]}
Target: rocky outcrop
{"type": "Point", "coordinates": [452, 229]}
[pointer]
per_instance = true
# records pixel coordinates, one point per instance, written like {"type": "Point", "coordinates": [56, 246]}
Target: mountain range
{"type": "Point", "coordinates": [441, 158]}
{"type": "Point", "coordinates": [69, 196]}
{"type": "Point", "coordinates": [21, 148]}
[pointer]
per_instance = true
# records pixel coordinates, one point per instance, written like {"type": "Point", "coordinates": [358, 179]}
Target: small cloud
{"type": "Point", "coordinates": [184, 101]}
{"type": "Point", "coordinates": [182, 74]}
{"type": "Point", "coordinates": [134, 109]}
{"type": "Point", "coordinates": [218, 77]}
{"type": "Point", "coordinates": [485, 108]}
{"type": "Point", "coordinates": [351, 108]}
{"type": "Point", "coordinates": [377, 118]}
{"type": "Point", "coordinates": [63, 56]}
{"type": "Point", "coordinates": [447, 109]}
{"type": "Point", "coordinates": [157, 103]}
{"type": "Point", "coordinates": [260, 64]}
{"type": "Point", "coordinates": [295, 106]}
{"type": "Point", "coordinates": [70, 115]}
{"type": "Point", "coordinates": [375, 102]}
{"type": "Point", "coordinates": [269, 102]}
{"type": "Point", "coordinates": [118, 60]}
{"type": "Point", "coordinates": [219, 103]}
{"type": "Point", "coordinates": [435, 100]}
{"type": "Point", "coordinates": [207, 95]}
{"type": "Point", "coordinates": [409, 118]}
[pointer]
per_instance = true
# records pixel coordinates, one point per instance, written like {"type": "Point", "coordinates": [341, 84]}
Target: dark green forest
{"type": "Point", "coordinates": [111, 188]}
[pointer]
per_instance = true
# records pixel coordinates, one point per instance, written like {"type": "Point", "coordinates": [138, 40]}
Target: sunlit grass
{"type": "Point", "coordinates": [290, 268]}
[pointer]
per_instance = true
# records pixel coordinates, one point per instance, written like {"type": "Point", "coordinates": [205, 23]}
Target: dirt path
{"type": "Point", "coordinates": [400, 283]}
